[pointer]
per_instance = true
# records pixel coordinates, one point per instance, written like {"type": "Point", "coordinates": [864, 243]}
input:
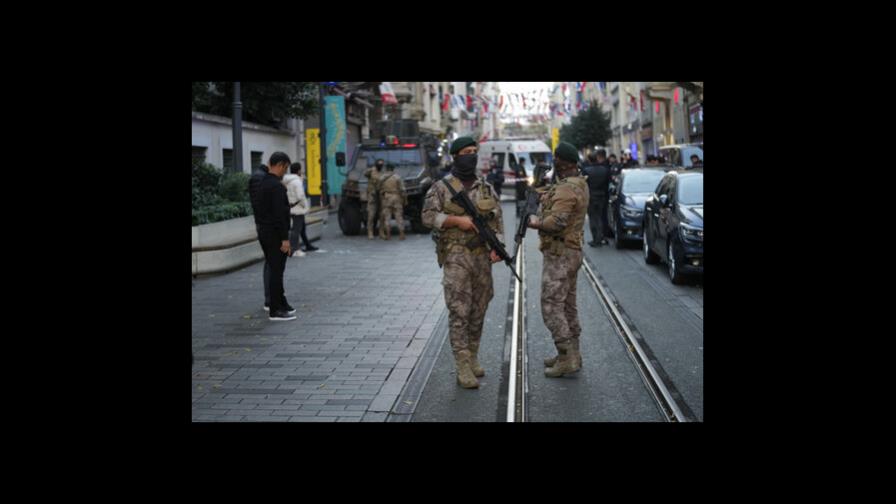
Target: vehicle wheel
{"type": "Point", "coordinates": [674, 274]}
{"type": "Point", "coordinates": [620, 243]}
{"type": "Point", "coordinates": [649, 256]}
{"type": "Point", "coordinates": [349, 218]}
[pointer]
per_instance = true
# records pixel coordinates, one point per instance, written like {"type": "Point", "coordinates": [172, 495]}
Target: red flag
{"type": "Point", "coordinates": [387, 94]}
{"type": "Point", "coordinates": [445, 101]}
{"type": "Point", "coordinates": [469, 102]}
{"type": "Point", "coordinates": [657, 107]}
{"type": "Point", "coordinates": [675, 96]}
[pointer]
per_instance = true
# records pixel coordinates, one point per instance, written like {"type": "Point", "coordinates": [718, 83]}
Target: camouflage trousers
{"type": "Point", "coordinates": [392, 205]}
{"type": "Point", "coordinates": [468, 289]}
{"type": "Point", "coordinates": [372, 213]}
{"type": "Point", "coordinates": [558, 294]}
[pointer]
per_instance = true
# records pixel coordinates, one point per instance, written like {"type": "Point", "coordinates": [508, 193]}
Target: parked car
{"type": "Point", "coordinates": [673, 224]}
{"type": "Point", "coordinates": [627, 202]}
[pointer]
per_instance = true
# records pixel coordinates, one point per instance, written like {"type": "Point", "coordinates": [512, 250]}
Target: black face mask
{"type": "Point", "coordinates": [379, 167]}
{"type": "Point", "coordinates": [465, 166]}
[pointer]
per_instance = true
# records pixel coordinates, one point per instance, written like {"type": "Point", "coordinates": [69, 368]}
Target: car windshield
{"type": "Point", "coordinates": [539, 157]}
{"type": "Point", "coordinates": [690, 190]}
{"type": "Point", "coordinates": [533, 158]}
{"type": "Point", "coordinates": [398, 157]}
{"type": "Point", "coordinates": [641, 181]}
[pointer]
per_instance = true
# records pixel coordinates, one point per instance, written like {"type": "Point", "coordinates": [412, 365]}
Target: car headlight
{"type": "Point", "coordinates": [690, 232]}
{"type": "Point", "coordinates": [630, 212]}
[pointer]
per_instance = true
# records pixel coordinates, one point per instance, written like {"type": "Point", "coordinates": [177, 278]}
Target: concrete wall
{"type": "Point", "coordinates": [224, 246]}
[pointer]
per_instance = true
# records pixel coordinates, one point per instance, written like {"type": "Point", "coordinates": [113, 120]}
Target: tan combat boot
{"type": "Point", "coordinates": [401, 234]}
{"type": "Point", "coordinates": [567, 362]}
{"type": "Point", "coordinates": [550, 361]}
{"type": "Point", "coordinates": [474, 360]}
{"type": "Point", "coordinates": [369, 233]}
{"type": "Point", "coordinates": [465, 377]}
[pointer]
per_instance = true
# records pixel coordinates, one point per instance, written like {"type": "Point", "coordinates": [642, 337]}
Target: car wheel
{"type": "Point", "coordinates": [649, 256]}
{"type": "Point", "coordinates": [674, 274]}
{"type": "Point", "coordinates": [349, 218]}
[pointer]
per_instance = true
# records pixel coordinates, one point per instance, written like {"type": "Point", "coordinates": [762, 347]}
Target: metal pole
{"type": "Point", "coordinates": [325, 193]}
{"type": "Point", "coordinates": [237, 129]}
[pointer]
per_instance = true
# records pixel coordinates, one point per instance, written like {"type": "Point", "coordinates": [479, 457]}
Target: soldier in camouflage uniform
{"type": "Point", "coordinates": [466, 261]}
{"type": "Point", "coordinates": [373, 187]}
{"type": "Point", "coordinates": [560, 223]}
{"type": "Point", "coordinates": [392, 201]}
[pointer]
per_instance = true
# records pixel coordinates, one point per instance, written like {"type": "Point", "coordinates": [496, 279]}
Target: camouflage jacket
{"type": "Point", "coordinates": [391, 183]}
{"type": "Point", "coordinates": [373, 185]}
{"type": "Point", "coordinates": [438, 206]}
{"type": "Point", "coordinates": [562, 214]}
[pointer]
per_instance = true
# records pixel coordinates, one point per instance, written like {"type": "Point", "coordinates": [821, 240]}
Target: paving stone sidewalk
{"type": "Point", "coordinates": [365, 309]}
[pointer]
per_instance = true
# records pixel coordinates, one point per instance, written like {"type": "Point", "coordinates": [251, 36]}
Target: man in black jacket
{"type": "Point", "coordinates": [495, 177]}
{"type": "Point", "coordinates": [254, 195]}
{"type": "Point", "coordinates": [273, 232]}
{"type": "Point", "coordinates": [627, 160]}
{"type": "Point", "coordinates": [598, 171]}
{"type": "Point", "coordinates": [519, 171]}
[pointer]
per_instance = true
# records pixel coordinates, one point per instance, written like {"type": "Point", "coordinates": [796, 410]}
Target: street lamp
{"type": "Point", "coordinates": [237, 125]}
{"type": "Point", "coordinates": [325, 193]}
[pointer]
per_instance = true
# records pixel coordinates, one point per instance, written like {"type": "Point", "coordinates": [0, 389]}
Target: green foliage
{"type": "Point", "coordinates": [218, 197]}
{"type": "Point", "coordinates": [589, 128]}
{"type": "Point", "coordinates": [206, 181]}
{"type": "Point", "coordinates": [221, 212]}
{"type": "Point", "coordinates": [234, 187]}
{"type": "Point", "coordinates": [263, 102]}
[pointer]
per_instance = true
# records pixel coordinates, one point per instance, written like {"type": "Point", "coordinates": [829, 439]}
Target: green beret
{"type": "Point", "coordinates": [567, 152]}
{"type": "Point", "coordinates": [460, 143]}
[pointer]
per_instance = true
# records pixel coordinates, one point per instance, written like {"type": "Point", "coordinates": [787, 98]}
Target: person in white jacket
{"type": "Point", "coordinates": [298, 207]}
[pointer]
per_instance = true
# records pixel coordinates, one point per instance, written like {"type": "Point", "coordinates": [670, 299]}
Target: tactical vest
{"type": "Point", "coordinates": [456, 237]}
{"type": "Point", "coordinates": [573, 235]}
{"type": "Point", "coordinates": [390, 184]}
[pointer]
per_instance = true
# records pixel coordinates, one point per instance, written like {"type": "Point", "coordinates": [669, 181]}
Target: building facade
{"type": "Point", "coordinates": [212, 141]}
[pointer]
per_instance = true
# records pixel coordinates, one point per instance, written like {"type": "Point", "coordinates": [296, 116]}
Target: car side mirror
{"type": "Point", "coordinates": [340, 159]}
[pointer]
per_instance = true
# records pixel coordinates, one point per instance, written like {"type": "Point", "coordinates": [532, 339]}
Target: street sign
{"type": "Point", "coordinates": [336, 134]}
{"type": "Point", "coordinates": [312, 160]}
